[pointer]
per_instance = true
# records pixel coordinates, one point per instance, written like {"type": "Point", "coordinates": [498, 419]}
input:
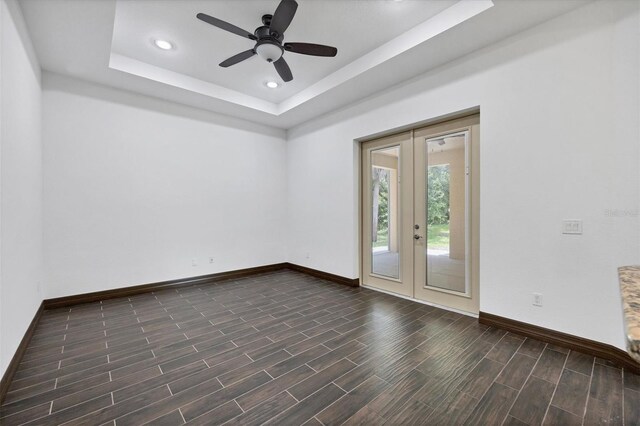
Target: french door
{"type": "Point", "coordinates": [420, 214]}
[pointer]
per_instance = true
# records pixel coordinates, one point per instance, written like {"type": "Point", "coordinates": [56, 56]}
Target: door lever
{"type": "Point", "coordinates": [416, 236]}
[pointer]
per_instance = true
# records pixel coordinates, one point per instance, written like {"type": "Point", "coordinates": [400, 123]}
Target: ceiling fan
{"type": "Point", "coordinates": [269, 38]}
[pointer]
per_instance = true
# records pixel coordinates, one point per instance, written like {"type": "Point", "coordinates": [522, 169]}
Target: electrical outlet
{"type": "Point", "coordinates": [211, 260]}
{"type": "Point", "coordinates": [537, 299]}
{"type": "Point", "coordinates": [194, 262]}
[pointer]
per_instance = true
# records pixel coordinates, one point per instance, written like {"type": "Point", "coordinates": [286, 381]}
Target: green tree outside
{"type": "Point", "coordinates": [437, 206]}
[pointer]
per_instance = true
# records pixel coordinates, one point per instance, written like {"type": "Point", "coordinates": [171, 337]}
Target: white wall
{"type": "Point", "coordinates": [560, 134]}
{"type": "Point", "coordinates": [135, 188]}
{"type": "Point", "coordinates": [21, 264]}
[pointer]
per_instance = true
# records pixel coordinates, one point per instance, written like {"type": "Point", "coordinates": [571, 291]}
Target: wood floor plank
{"type": "Point", "coordinates": [449, 373]}
{"type": "Point", "coordinates": [605, 403]}
{"type": "Point", "coordinates": [209, 372]}
{"type": "Point", "coordinates": [335, 355]}
{"type": "Point", "coordinates": [74, 412]}
{"type": "Point", "coordinates": [203, 405]}
{"type": "Point", "coordinates": [290, 348]}
{"type": "Point", "coordinates": [309, 407]}
{"type": "Point", "coordinates": [119, 409]}
{"type": "Point", "coordinates": [555, 416]}
{"type": "Point", "coordinates": [321, 379]}
{"type": "Point", "coordinates": [632, 381]}
{"type": "Point", "coordinates": [253, 367]}
{"type": "Point", "coordinates": [582, 363]}
{"type": "Point", "coordinates": [296, 361]}
{"type": "Point", "coordinates": [265, 411]}
{"type": "Point", "coordinates": [262, 393]}
{"type": "Point", "coordinates": [28, 392]}
{"type": "Point", "coordinates": [512, 421]}
{"type": "Point", "coordinates": [26, 415]}
{"type": "Point", "coordinates": [219, 415]}
{"type": "Point", "coordinates": [531, 405]}
{"type": "Point", "coordinates": [311, 342]}
{"type": "Point", "coordinates": [414, 412]}
{"type": "Point", "coordinates": [312, 422]}
{"type": "Point", "coordinates": [504, 349]}
{"type": "Point", "coordinates": [493, 335]}
{"type": "Point", "coordinates": [549, 366]}
{"type": "Point", "coordinates": [171, 419]}
{"type": "Point", "coordinates": [454, 409]}
{"type": "Point", "coordinates": [493, 407]}
{"type": "Point", "coordinates": [532, 348]}
{"type": "Point", "coordinates": [631, 406]}
{"type": "Point", "coordinates": [393, 399]}
{"type": "Point", "coordinates": [352, 402]}
{"type": "Point", "coordinates": [396, 370]}
{"type": "Point", "coordinates": [189, 371]}
{"type": "Point", "coordinates": [481, 377]}
{"type": "Point", "coordinates": [517, 371]}
{"type": "Point", "coordinates": [54, 394]}
{"type": "Point", "coordinates": [103, 389]}
{"type": "Point", "coordinates": [365, 417]}
{"type": "Point", "coordinates": [164, 406]}
{"type": "Point", "coordinates": [571, 393]}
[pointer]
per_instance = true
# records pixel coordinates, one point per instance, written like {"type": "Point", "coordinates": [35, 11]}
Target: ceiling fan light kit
{"type": "Point", "coordinates": [269, 39]}
{"type": "Point", "coordinates": [269, 51]}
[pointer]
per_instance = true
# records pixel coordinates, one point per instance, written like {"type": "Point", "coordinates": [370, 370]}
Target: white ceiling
{"type": "Point", "coordinates": [201, 47]}
{"type": "Point", "coordinates": [380, 43]}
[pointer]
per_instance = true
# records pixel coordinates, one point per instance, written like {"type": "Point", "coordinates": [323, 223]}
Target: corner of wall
{"type": "Point", "coordinates": [21, 253]}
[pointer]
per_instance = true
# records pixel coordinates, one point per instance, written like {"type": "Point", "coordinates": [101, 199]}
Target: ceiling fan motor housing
{"type": "Point", "coordinates": [266, 19]}
{"type": "Point", "coordinates": [265, 32]}
{"type": "Point", "coordinates": [269, 45]}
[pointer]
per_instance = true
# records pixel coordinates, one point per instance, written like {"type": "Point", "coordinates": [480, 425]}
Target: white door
{"type": "Point", "coordinates": [387, 245]}
{"type": "Point", "coordinates": [445, 213]}
{"type": "Point", "coordinates": [420, 214]}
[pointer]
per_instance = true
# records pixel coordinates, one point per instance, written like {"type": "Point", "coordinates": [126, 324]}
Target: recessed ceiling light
{"type": "Point", "coordinates": [163, 44]}
{"type": "Point", "coordinates": [272, 84]}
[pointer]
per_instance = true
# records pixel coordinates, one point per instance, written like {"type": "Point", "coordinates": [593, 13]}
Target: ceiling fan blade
{"type": "Point", "coordinates": [283, 69]}
{"type": "Point", "coordinates": [225, 26]}
{"type": "Point", "coordinates": [237, 58]}
{"type": "Point", "coordinates": [311, 49]}
{"type": "Point", "coordinates": [283, 16]}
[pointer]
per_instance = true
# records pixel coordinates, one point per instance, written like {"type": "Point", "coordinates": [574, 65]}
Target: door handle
{"type": "Point", "coordinates": [416, 236]}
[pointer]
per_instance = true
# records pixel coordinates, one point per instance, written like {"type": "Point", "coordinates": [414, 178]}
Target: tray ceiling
{"type": "Point", "coordinates": [111, 42]}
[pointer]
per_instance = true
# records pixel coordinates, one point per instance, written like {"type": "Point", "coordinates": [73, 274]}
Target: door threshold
{"type": "Point", "coordinates": [413, 299]}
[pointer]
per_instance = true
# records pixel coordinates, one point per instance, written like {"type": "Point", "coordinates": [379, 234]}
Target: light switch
{"type": "Point", "coordinates": [573, 227]}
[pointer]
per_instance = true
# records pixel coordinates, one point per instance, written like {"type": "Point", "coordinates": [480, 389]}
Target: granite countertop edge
{"type": "Point", "coordinates": [629, 278]}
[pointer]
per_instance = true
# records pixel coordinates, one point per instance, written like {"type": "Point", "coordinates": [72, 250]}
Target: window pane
{"type": "Point", "coordinates": [446, 213]}
{"type": "Point", "coordinates": [385, 199]}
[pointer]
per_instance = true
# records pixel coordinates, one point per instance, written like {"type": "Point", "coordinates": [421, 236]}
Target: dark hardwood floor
{"type": "Point", "coordinates": [286, 348]}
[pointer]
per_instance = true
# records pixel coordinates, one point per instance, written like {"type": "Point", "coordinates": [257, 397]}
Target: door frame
{"type": "Point", "coordinates": [469, 113]}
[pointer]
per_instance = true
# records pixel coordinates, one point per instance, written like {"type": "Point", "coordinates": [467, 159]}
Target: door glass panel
{"type": "Point", "coordinates": [385, 202]}
{"type": "Point", "coordinates": [446, 213]}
